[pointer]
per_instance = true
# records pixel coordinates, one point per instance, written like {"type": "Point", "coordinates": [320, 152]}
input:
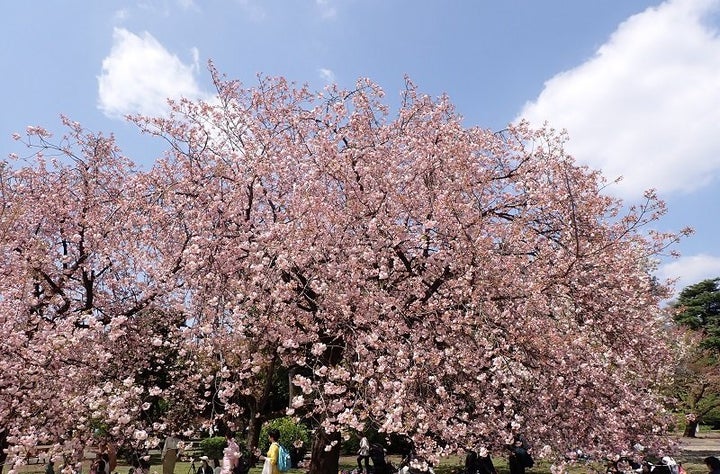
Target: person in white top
{"type": "Point", "coordinates": [170, 454]}
{"type": "Point", "coordinates": [364, 454]}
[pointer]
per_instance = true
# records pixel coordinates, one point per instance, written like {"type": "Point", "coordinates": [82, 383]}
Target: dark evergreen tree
{"type": "Point", "coordinates": [697, 377]}
{"type": "Point", "coordinates": [699, 309]}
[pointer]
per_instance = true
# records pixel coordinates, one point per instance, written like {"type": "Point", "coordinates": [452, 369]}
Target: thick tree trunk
{"type": "Point", "coordinates": [322, 461]}
{"type": "Point", "coordinates": [254, 426]}
{"type": "Point", "coordinates": [258, 415]}
{"type": "Point", "coordinates": [690, 429]}
{"type": "Point", "coordinates": [291, 387]}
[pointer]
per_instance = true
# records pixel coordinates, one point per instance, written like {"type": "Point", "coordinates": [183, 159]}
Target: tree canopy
{"type": "Point", "coordinates": [698, 308]}
{"type": "Point", "coordinates": [450, 284]}
{"type": "Point", "coordinates": [697, 378]}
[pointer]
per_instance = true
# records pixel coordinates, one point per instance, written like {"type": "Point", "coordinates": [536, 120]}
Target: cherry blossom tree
{"type": "Point", "coordinates": [84, 271]}
{"type": "Point", "coordinates": [444, 283]}
{"type": "Point", "coordinates": [450, 284]}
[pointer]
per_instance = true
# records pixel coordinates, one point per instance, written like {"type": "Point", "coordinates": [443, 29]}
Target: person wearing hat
{"type": "Point", "coordinates": [671, 464]}
{"type": "Point", "coordinates": [205, 467]}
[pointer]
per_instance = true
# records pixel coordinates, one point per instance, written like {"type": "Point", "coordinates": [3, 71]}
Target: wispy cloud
{"type": "Point", "coordinates": [690, 270]}
{"type": "Point", "coordinates": [187, 4]}
{"type": "Point", "coordinates": [645, 107]}
{"type": "Point", "coordinates": [139, 75]}
{"type": "Point", "coordinates": [327, 9]}
{"type": "Point", "coordinates": [327, 75]}
{"type": "Point", "coordinates": [196, 59]}
{"type": "Point", "coordinates": [253, 9]}
{"type": "Point", "coordinates": [121, 15]}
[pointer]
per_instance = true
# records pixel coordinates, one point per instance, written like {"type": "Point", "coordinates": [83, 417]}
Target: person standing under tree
{"type": "Point", "coordinates": [484, 462]}
{"type": "Point", "coordinates": [231, 454]}
{"type": "Point", "coordinates": [273, 453]}
{"type": "Point", "coordinates": [364, 454]}
{"type": "Point", "coordinates": [170, 454]}
{"type": "Point", "coordinates": [519, 458]}
{"type": "Point", "coordinates": [471, 461]}
{"type": "Point", "coordinates": [98, 465]}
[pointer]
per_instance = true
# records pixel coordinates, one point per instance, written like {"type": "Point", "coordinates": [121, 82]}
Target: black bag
{"type": "Point", "coordinates": [522, 457]}
{"type": "Point", "coordinates": [377, 454]}
{"type": "Point", "coordinates": [471, 463]}
{"type": "Point", "coordinates": [242, 466]}
{"type": "Point", "coordinates": [528, 461]}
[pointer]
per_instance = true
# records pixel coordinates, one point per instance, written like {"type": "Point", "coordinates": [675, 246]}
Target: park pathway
{"type": "Point", "coordinates": [696, 449]}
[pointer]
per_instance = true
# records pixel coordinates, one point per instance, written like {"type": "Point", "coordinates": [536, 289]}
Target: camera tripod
{"type": "Point", "coordinates": [192, 469]}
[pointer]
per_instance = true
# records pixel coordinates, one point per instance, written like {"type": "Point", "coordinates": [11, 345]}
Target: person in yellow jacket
{"type": "Point", "coordinates": [273, 453]}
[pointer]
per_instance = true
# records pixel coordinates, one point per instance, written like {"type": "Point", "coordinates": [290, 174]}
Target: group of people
{"type": "Point", "coordinates": [235, 462]}
{"type": "Point", "coordinates": [66, 468]}
{"type": "Point", "coordinates": [519, 459]}
{"type": "Point", "coordinates": [104, 462]}
{"type": "Point", "coordinates": [171, 452]}
{"type": "Point", "coordinates": [479, 462]}
{"type": "Point", "coordinates": [376, 453]}
{"type": "Point", "coordinates": [476, 461]}
{"type": "Point", "coordinates": [666, 465]}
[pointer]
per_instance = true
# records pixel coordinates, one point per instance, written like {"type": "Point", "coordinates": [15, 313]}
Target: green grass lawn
{"type": "Point", "coordinates": [348, 463]}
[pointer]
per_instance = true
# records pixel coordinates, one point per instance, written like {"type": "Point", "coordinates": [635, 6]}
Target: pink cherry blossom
{"type": "Point", "coordinates": [448, 283]}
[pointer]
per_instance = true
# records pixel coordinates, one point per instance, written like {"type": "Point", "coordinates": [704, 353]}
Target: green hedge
{"type": "Point", "coordinates": [290, 433]}
{"type": "Point", "coordinates": [213, 447]}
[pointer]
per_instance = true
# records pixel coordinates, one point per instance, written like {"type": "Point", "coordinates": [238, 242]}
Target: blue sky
{"type": "Point", "coordinates": [635, 82]}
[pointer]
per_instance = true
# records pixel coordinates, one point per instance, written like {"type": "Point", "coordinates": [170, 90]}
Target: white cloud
{"type": "Point", "coordinates": [690, 270]}
{"type": "Point", "coordinates": [187, 4]}
{"type": "Point", "coordinates": [645, 107]}
{"type": "Point", "coordinates": [327, 10]}
{"type": "Point", "coordinates": [327, 75]}
{"type": "Point", "coordinates": [121, 15]}
{"type": "Point", "coordinates": [254, 10]}
{"type": "Point", "coordinates": [196, 59]}
{"type": "Point", "coordinates": [139, 75]}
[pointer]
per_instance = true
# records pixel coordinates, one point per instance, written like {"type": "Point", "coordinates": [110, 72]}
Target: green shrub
{"type": "Point", "coordinates": [712, 418]}
{"type": "Point", "coordinates": [213, 447]}
{"type": "Point", "coordinates": [291, 434]}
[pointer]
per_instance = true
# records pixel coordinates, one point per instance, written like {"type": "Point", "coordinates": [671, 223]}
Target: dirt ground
{"type": "Point", "coordinates": [694, 450]}
{"type": "Point", "coordinates": [707, 441]}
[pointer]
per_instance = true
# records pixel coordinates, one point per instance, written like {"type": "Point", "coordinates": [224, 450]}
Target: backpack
{"type": "Point", "coordinates": [471, 463]}
{"type": "Point", "coordinates": [284, 462]}
{"type": "Point", "coordinates": [242, 466]}
{"type": "Point", "coordinates": [377, 454]}
{"type": "Point", "coordinates": [529, 461]}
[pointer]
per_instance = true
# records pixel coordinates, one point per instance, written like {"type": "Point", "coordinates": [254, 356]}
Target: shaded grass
{"type": "Point", "coordinates": [347, 463]}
